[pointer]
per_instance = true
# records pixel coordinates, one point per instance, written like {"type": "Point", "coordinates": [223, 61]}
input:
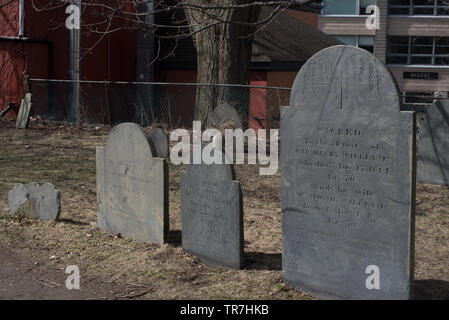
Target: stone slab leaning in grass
{"type": "Point", "coordinates": [132, 190]}
{"type": "Point", "coordinates": [23, 118]}
{"type": "Point", "coordinates": [35, 201]}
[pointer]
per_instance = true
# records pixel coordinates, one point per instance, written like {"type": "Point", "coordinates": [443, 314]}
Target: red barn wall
{"type": "Point", "coordinates": [182, 98]}
{"type": "Point", "coordinates": [9, 16]}
{"type": "Point", "coordinates": [47, 25]}
{"type": "Point", "coordinates": [114, 58]}
{"type": "Point", "coordinates": [258, 101]}
{"type": "Point", "coordinates": [278, 98]}
{"type": "Point", "coordinates": [11, 57]}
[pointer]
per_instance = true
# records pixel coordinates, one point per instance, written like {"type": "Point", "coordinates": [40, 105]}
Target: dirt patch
{"type": "Point", "coordinates": [114, 267]}
{"type": "Point", "coordinates": [25, 275]}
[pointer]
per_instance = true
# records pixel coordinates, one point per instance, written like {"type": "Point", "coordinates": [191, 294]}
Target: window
{"type": "Point", "coordinates": [347, 7]}
{"type": "Point", "coordinates": [367, 43]}
{"type": "Point", "coordinates": [419, 7]}
{"type": "Point", "coordinates": [363, 4]}
{"type": "Point", "coordinates": [413, 98]}
{"type": "Point", "coordinates": [364, 42]}
{"type": "Point", "coordinates": [418, 50]}
{"type": "Point", "coordinates": [442, 51]}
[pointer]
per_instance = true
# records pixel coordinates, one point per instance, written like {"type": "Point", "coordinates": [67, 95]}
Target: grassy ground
{"type": "Point", "coordinates": [114, 267]}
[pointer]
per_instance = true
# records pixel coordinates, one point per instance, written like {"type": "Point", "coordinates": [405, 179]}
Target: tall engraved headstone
{"type": "Point", "coordinates": [212, 213]}
{"type": "Point", "coordinates": [132, 186]}
{"type": "Point", "coordinates": [348, 180]}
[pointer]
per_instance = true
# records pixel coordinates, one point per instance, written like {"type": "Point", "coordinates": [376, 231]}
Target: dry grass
{"type": "Point", "coordinates": [65, 156]}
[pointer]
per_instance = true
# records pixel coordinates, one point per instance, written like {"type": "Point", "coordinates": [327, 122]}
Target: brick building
{"type": "Point", "coordinates": [412, 39]}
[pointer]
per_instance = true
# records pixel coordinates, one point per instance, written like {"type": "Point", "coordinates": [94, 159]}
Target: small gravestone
{"type": "Point", "coordinates": [132, 190]}
{"type": "Point", "coordinates": [433, 145]}
{"type": "Point", "coordinates": [224, 116]}
{"type": "Point", "coordinates": [159, 141]}
{"type": "Point", "coordinates": [35, 201]}
{"type": "Point", "coordinates": [23, 118]}
{"type": "Point", "coordinates": [348, 180]}
{"type": "Point", "coordinates": [212, 214]}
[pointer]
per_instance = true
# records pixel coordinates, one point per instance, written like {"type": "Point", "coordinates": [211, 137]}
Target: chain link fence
{"type": "Point", "coordinates": [170, 105]}
{"type": "Point", "coordinates": [150, 103]}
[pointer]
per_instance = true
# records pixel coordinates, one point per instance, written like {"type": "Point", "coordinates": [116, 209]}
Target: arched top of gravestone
{"type": "Point", "coordinates": [224, 116]}
{"type": "Point", "coordinates": [128, 141]}
{"type": "Point", "coordinates": [343, 78]}
{"type": "Point", "coordinates": [159, 141]}
{"type": "Point", "coordinates": [218, 172]}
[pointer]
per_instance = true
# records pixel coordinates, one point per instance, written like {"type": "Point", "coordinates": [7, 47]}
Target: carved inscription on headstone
{"type": "Point", "coordinates": [132, 186]}
{"type": "Point", "coordinates": [348, 180]}
{"type": "Point", "coordinates": [212, 214]}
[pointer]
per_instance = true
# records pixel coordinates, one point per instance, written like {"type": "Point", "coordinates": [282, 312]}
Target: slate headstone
{"type": "Point", "coordinates": [35, 201]}
{"type": "Point", "coordinates": [433, 144]}
{"type": "Point", "coordinates": [132, 190]}
{"type": "Point", "coordinates": [224, 116]}
{"type": "Point", "coordinates": [159, 141]}
{"type": "Point", "coordinates": [212, 214]}
{"type": "Point", "coordinates": [348, 180]}
{"type": "Point", "coordinates": [23, 118]}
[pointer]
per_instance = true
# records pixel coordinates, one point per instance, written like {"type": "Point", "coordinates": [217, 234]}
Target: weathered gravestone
{"type": "Point", "coordinates": [35, 201]}
{"type": "Point", "coordinates": [212, 213]}
{"type": "Point", "coordinates": [224, 116]}
{"type": "Point", "coordinates": [132, 186]}
{"type": "Point", "coordinates": [433, 145]}
{"type": "Point", "coordinates": [159, 141]}
{"type": "Point", "coordinates": [23, 118]}
{"type": "Point", "coordinates": [348, 180]}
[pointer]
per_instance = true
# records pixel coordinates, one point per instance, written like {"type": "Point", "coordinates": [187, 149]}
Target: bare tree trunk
{"type": "Point", "coordinates": [223, 51]}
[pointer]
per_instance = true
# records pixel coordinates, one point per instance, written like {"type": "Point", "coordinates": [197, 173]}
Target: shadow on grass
{"type": "Point", "coordinates": [263, 261]}
{"type": "Point", "coordinates": [70, 221]}
{"type": "Point", "coordinates": [431, 289]}
{"type": "Point", "coordinates": [175, 238]}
